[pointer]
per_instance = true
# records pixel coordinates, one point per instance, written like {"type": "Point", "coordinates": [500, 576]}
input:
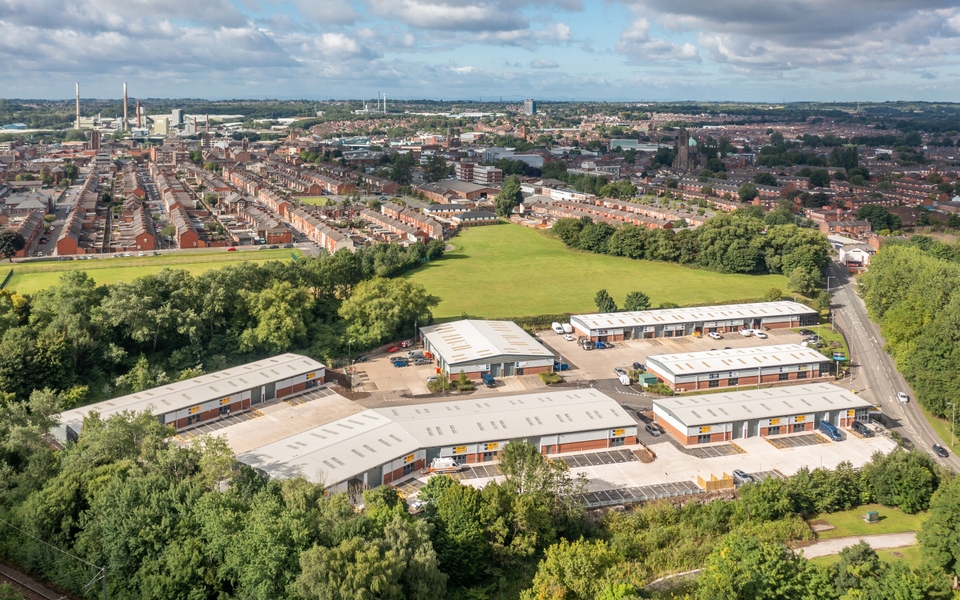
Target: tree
{"type": "Point", "coordinates": [402, 170]}
{"type": "Point", "coordinates": [636, 301]}
{"type": "Point", "coordinates": [940, 533]}
{"type": "Point", "coordinates": [765, 179]}
{"type": "Point", "coordinates": [747, 192]}
{"type": "Point", "coordinates": [744, 568]}
{"type": "Point", "coordinates": [604, 302]}
{"type": "Point", "coordinates": [379, 309]}
{"type": "Point", "coordinates": [573, 571]}
{"type": "Point", "coordinates": [510, 195]}
{"type": "Point", "coordinates": [819, 178]}
{"type": "Point", "coordinates": [595, 236]}
{"type": "Point", "coordinates": [802, 281]}
{"type": "Point", "coordinates": [435, 169]}
{"type": "Point", "coordinates": [568, 230]}
{"type": "Point", "coordinates": [879, 217]}
{"type": "Point", "coordinates": [11, 242]}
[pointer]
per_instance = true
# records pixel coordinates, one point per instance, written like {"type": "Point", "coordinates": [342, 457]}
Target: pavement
{"type": "Point", "coordinates": [877, 542]}
{"type": "Point", "coordinates": [875, 376]}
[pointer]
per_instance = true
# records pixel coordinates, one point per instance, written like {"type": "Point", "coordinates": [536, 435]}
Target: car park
{"type": "Point", "coordinates": [941, 451]}
{"type": "Point", "coordinates": [741, 477]}
{"type": "Point", "coordinates": [715, 335]}
{"type": "Point", "coordinates": [902, 397]}
{"type": "Point", "coordinates": [653, 429]}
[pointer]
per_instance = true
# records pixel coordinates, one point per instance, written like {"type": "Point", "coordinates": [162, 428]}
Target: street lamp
{"type": "Point", "coordinates": [349, 363]}
{"type": "Point", "coordinates": [953, 422]}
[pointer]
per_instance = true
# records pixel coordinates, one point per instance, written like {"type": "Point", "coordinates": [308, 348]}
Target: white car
{"type": "Point", "coordinates": [903, 397]}
{"type": "Point", "coordinates": [746, 332]}
{"type": "Point", "coordinates": [568, 337]}
{"type": "Point", "coordinates": [715, 335]}
{"type": "Point", "coordinates": [760, 334]}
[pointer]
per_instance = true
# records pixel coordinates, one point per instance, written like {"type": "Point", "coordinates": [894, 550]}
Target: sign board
{"type": "Point", "coordinates": [800, 418]}
{"type": "Point", "coordinates": [774, 421]}
{"type": "Point", "coordinates": [194, 410]}
{"type": "Point", "coordinates": [839, 356]}
{"type": "Point", "coordinates": [311, 375]}
{"type": "Point", "coordinates": [459, 449]}
{"type": "Point", "coordinates": [409, 458]}
{"type": "Point", "coordinates": [492, 446]}
{"type": "Point", "coordinates": [705, 429]}
{"type": "Point", "coordinates": [224, 401]}
{"type": "Point", "coordinates": [619, 432]}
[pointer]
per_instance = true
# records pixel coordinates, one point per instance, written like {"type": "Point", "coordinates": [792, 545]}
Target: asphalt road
{"type": "Point", "coordinates": [875, 377]}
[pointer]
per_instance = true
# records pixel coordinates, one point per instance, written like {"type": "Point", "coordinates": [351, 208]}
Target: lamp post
{"type": "Point", "coordinates": [953, 422]}
{"type": "Point", "coordinates": [349, 363]}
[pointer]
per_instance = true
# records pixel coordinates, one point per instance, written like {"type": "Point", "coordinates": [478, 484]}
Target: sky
{"type": "Point", "coordinates": [618, 50]}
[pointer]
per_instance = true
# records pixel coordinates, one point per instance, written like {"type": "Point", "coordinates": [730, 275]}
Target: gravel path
{"type": "Point", "coordinates": [877, 542]}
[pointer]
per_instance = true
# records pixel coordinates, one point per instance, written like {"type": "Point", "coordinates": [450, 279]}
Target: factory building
{"type": "Point", "coordinates": [381, 446]}
{"type": "Point", "coordinates": [729, 416]}
{"type": "Point", "coordinates": [475, 347]}
{"type": "Point", "coordinates": [734, 367]}
{"type": "Point", "coordinates": [206, 397]}
{"type": "Point", "coordinates": [701, 320]}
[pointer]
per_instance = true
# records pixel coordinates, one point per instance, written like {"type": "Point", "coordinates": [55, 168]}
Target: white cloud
{"type": "Point", "coordinates": [635, 43]}
{"type": "Point", "coordinates": [539, 63]}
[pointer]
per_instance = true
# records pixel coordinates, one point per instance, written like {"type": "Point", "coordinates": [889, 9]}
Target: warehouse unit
{"type": "Point", "coordinates": [381, 446]}
{"type": "Point", "coordinates": [701, 320]}
{"type": "Point", "coordinates": [206, 397]}
{"type": "Point", "coordinates": [499, 348]}
{"type": "Point", "coordinates": [733, 415]}
{"type": "Point", "coordinates": [738, 367]}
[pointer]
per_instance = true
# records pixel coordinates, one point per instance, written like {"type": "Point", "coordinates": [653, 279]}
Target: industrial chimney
{"type": "Point", "coordinates": [78, 105]}
{"type": "Point", "coordinates": [125, 122]}
{"type": "Point", "coordinates": [139, 112]}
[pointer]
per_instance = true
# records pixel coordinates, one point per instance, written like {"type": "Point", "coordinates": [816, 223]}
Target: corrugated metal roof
{"type": "Point", "coordinates": [347, 448]}
{"type": "Point", "coordinates": [473, 340]}
{"type": "Point", "coordinates": [759, 404]}
{"type": "Point", "coordinates": [183, 394]}
{"type": "Point", "coordinates": [694, 314]}
{"type": "Point", "coordinates": [714, 361]}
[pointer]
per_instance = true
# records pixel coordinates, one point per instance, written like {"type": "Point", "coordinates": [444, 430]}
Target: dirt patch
{"type": "Point", "coordinates": [820, 525]}
{"type": "Point", "coordinates": [346, 393]}
{"type": "Point", "coordinates": [645, 455]}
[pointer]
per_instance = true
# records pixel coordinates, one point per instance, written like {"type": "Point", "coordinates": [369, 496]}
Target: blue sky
{"type": "Point", "coordinates": [750, 50]}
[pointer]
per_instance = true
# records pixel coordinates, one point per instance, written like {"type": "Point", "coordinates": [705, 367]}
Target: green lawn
{"type": "Point", "coordinates": [942, 428]}
{"type": "Point", "coordinates": [32, 277]}
{"type": "Point", "coordinates": [315, 200]}
{"type": "Point", "coordinates": [509, 271]}
{"type": "Point", "coordinates": [850, 522]}
{"type": "Point", "coordinates": [911, 556]}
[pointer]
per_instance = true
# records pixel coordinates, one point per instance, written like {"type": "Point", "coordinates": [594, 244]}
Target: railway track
{"type": "Point", "coordinates": [30, 589]}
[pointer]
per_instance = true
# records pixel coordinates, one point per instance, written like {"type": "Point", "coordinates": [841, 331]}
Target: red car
{"type": "Point", "coordinates": [393, 349]}
{"type": "Point", "coordinates": [231, 249]}
{"type": "Point", "coordinates": [406, 343]}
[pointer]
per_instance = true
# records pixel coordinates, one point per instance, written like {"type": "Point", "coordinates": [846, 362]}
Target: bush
{"type": "Point", "coordinates": [439, 384]}
{"type": "Point", "coordinates": [550, 378]}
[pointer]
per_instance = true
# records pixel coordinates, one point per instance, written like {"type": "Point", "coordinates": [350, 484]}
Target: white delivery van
{"type": "Point", "coordinates": [444, 465]}
{"type": "Point", "coordinates": [557, 327]}
{"type": "Point", "coordinates": [567, 328]}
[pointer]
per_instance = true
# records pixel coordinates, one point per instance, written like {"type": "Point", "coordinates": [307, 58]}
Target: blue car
{"type": "Point", "coordinates": [401, 362]}
{"type": "Point", "coordinates": [558, 366]}
{"type": "Point", "coordinates": [600, 345]}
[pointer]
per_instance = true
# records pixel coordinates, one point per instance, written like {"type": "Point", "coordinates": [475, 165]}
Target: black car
{"type": "Point", "coordinates": [638, 367]}
{"type": "Point", "coordinates": [862, 429]}
{"type": "Point", "coordinates": [360, 359]}
{"type": "Point", "coordinates": [941, 451]}
{"type": "Point", "coordinates": [653, 429]}
{"type": "Point", "coordinates": [806, 332]}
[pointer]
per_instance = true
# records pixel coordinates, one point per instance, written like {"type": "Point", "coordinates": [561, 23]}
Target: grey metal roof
{"type": "Point", "coordinates": [351, 446]}
{"type": "Point", "coordinates": [670, 316]}
{"type": "Point", "coordinates": [473, 340]}
{"type": "Point", "coordinates": [710, 409]}
{"type": "Point", "coordinates": [737, 359]}
{"type": "Point", "coordinates": [184, 394]}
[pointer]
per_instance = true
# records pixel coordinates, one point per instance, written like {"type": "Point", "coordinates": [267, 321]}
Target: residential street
{"type": "Point", "coordinates": [874, 375]}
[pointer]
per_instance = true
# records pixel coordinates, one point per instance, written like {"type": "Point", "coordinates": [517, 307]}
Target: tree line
{"type": "Point", "coordinates": [731, 243]}
{"type": "Point", "coordinates": [173, 520]}
{"type": "Point", "coordinates": [912, 290]}
{"type": "Point", "coordinates": [101, 341]}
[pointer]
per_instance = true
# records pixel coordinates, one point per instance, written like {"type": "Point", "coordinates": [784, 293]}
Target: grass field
{"type": "Point", "coordinates": [510, 271]}
{"type": "Point", "coordinates": [315, 200]}
{"type": "Point", "coordinates": [910, 555]}
{"type": "Point", "coordinates": [32, 277]}
{"type": "Point", "coordinates": [850, 522]}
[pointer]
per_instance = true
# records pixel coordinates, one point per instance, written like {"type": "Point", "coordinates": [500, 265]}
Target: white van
{"type": "Point", "coordinates": [443, 464]}
{"type": "Point", "coordinates": [567, 328]}
{"type": "Point", "coordinates": [557, 327]}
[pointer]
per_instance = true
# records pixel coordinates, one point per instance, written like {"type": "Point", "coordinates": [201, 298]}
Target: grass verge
{"type": "Point", "coordinates": [850, 522]}
{"type": "Point", "coordinates": [512, 271]}
{"type": "Point", "coordinates": [910, 555]}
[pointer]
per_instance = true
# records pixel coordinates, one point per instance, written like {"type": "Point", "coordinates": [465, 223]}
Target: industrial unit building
{"type": "Point", "coordinates": [206, 397]}
{"type": "Point", "coordinates": [754, 365]}
{"type": "Point", "coordinates": [499, 348]}
{"type": "Point", "coordinates": [676, 322]}
{"type": "Point", "coordinates": [380, 446]}
{"type": "Point", "coordinates": [734, 415]}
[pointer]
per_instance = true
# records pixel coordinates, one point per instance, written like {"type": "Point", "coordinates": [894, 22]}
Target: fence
{"type": "Point", "coordinates": [6, 279]}
{"type": "Point", "coordinates": [724, 483]}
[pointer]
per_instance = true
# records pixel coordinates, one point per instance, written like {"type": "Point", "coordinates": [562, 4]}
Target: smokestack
{"type": "Point", "coordinates": [139, 126]}
{"type": "Point", "coordinates": [207, 123]}
{"type": "Point", "coordinates": [384, 103]}
{"type": "Point", "coordinates": [78, 105]}
{"type": "Point", "coordinates": [125, 106]}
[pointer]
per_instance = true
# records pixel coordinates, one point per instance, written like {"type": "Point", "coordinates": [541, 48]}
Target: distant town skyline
{"type": "Point", "coordinates": [618, 50]}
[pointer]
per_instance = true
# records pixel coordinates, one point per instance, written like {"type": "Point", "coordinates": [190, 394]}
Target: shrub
{"type": "Point", "coordinates": [439, 384]}
{"type": "Point", "coordinates": [550, 378]}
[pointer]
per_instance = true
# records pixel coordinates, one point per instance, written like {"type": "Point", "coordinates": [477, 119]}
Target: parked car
{"type": "Point", "coordinates": [745, 332]}
{"type": "Point", "coordinates": [760, 334]}
{"type": "Point", "coordinates": [620, 372]}
{"type": "Point", "coordinates": [401, 362]}
{"type": "Point", "coordinates": [862, 429]}
{"type": "Point", "coordinates": [813, 338]}
{"type": "Point", "coordinates": [432, 378]}
{"type": "Point", "coordinates": [600, 345]}
{"type": "Point", "coordinates": [406, 343]}
{"type": "Point", "coordinates": [830, 431]}
{"type": "Point", "coordinates": [488, 380]}
{"type": "Point", "coordinates": [806, 332]}
{"type": "Point", "coordinates": [638, 367]}
{"type": "Point", "coordinates": [653, 429]}
{"type": "Point", "coordinates": [415, 354]}
{"type": "Point", "coordinates": [586, 343]}
{"type": "Point", "coordinates": [393, 349]}
{"type": "Point", "coordinates": [902, 397]}
{"type": "Point", "coordinates": [941, 451]}
{"type": "Point", "coordinates": [420, 361]}
{"type": "Point", "coordinates": [559, 366]}
{"type": "Point", "coordinates": [715, 335]}
{"type": "Point", "coordinates": [394, 359]}
{"type": "Point", "coordinates": [741, 477]}
{"type": "Point", "coordinates": [360, 359]}
{"type": "Point", "coordinates": [568, 337]}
